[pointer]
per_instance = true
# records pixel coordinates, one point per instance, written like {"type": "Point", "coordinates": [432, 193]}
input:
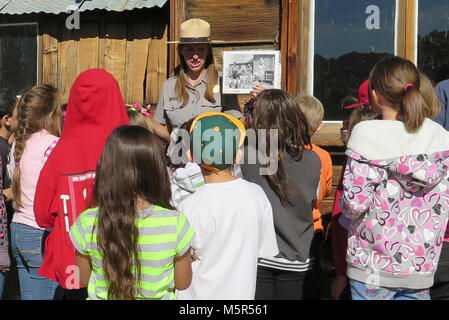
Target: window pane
{"type": "Point", "coordinates": [18, 57]}
{"type": "Point", "coordinates": [350, 38]}
{"type": "Point", "coordinates": [433, 38]}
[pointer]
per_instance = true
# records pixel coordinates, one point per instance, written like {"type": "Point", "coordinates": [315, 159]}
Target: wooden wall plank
{"type": "Point", "coordinates": [411, 31]}
{"type": "Point", "coordinates": [401, 31]}
{"type": "Point", "coordinates": [136, 62]}
{"type": "Point", "coordinates": [293, 47]}
{"type": "Point", "coordinates": [303, 85]}
{"type": "Point", "coordinates": [50, 52]}
{"type": "Point", "coordinates": [156, 67]}
{"type": "Point", "coordinates": [101, 42]}
{"type": "Point", "coordinates": [88, 46]}
{"type": "Point", "coordinates": [407, 29]}
{"type": "Point", "coordinates": [329, 135]}
{"type": "Point", "coordinates": [177, 16]}
{"type": "Point", "coordinates": [284, 32]}
{"type": "Point", "coordinates": [115, 52]}
{"type": "Point", "coordinates": [67, 61]}
{"type": "Point", "coordinates": [236, 20]}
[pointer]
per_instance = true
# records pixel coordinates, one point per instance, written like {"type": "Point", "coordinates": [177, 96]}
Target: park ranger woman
{"type": "Point", "coordinates": [195, 88]}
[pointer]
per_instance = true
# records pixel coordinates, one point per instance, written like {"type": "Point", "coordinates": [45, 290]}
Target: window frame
{"type": "Point", "coordinates": [38, 45]}
{"type": "Point", "coordinates": [416, 31]}
{"type": "Point", "coordinates": [405, 45]}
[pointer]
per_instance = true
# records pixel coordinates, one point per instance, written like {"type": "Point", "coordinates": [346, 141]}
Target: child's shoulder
{"type": "Point", "coordinates": [322, 154]}
{"type": "Point", "coordinates": [88, 218]}
{"type": "Point", "coordinates": [89, 213]}
{"type": "Point", "coordinates": [252, 189]}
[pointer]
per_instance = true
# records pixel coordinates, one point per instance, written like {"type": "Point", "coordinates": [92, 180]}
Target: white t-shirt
{"type": "Point", "coordinates": [233, 223]}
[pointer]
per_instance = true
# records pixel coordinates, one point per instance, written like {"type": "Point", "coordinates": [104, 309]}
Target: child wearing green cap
{"type": "Point", "coordinates": [232, 217]}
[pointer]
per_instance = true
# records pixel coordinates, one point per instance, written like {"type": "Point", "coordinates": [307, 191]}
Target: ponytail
{"type": "Point", "coordinates": [38, 108]}
{"type": "Point", "coordinates": [413, 109]}
{"type": "Point", "coordinates": [398, 81]}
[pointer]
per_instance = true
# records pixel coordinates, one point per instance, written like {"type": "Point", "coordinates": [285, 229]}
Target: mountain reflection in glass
{"type": "Point", "coordinates": [351, 36]}
{"type": "Point", "coordinates": [433, 39]}
{"type": "Point", "coordinates": [18, 57]}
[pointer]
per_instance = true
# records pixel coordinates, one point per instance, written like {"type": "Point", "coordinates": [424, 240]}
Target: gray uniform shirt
{"type": "Point", "coordinates": [169, 111]}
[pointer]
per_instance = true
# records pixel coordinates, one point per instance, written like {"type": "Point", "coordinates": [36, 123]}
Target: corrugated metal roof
{"type": "Point", "coordinates": [60, 6]}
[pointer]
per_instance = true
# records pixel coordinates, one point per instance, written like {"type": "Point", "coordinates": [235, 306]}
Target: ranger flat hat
{"type": "Point", "coordinates": [195, 31]}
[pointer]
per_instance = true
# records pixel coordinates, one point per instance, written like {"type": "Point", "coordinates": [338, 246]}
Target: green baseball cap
{"type": "Point", "coordinates": [215, 138]}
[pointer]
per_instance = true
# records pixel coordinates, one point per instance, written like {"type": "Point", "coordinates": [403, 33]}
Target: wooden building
{"type": "Point", "coordinates": [319, 41]}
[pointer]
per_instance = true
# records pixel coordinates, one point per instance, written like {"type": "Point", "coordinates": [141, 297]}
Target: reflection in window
{"type": "Point", "coordinates": [350, 38]}
{"type": "Point", "coordinates": [433, 38]}
{"type": "Point", "coordinates": [18, 56]}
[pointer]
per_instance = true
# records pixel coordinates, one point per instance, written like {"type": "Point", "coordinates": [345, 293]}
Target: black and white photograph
{"type": "Point", "coordinates": [244, 69]}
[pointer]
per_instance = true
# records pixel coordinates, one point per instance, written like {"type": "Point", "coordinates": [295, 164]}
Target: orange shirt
{"type": "Point", "coordinates": [325, 184]}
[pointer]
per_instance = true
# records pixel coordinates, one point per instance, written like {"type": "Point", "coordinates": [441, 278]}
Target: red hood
{"type": "Point", "coordinates": [95, 106]}
{"type": "Point", "coordinates": [65, 184]}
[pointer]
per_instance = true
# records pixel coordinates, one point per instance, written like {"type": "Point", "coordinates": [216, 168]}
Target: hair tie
{"type": "Point", "coordinates": [137, 108]}
{"type": "Point", "coordinates": [408, 85]}
{"type": "Point", "coordinates": [17, 163]}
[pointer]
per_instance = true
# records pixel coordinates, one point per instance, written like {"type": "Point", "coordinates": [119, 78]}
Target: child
{"type": "Point", "coordinates": [314, 112]}
{"type": "Point", "coordinates": [339, 233]}
{"type": "Point", "coordinates": [136, 245]}
{"type": "Point", "coordinates": [39, 119]}
{"type": "Point", "coordinates": [232, 218]}
{"type": "Point", "coordinates": [186, 177]}
{"type": "Point", "coordinates": [292, 190]}
{"type": "Point", "coordinates": [7, 102]}
{"type": "Point", "coordinates": [139, 116]}
{"type": "Point", "coordinates": [65, 184]}
{"type": "Point", "coordinates": [394, 190]}
{"type": "Point", "coordinates": [442, 91]}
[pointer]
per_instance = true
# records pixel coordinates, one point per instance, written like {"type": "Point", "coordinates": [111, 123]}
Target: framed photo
{"type": "Point", "coordinates": [242, 69]}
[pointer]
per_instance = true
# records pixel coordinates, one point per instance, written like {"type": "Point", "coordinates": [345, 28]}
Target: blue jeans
{"type": "Point", "coordinates": [27, 248]}
{"type": "Point", "coordinates": [363, 291]}
{"type": "Point", "coordinates": [2, 283]}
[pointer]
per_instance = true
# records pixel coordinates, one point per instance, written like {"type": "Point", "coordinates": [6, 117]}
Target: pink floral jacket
{"type": "Point", "coordinates": [398, 206]}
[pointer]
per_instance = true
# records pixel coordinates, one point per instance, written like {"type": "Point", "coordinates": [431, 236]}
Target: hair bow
{"type": "Point", "coordinates": [137, 108]}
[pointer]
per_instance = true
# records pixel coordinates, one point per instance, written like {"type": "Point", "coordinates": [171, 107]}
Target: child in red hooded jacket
{"type": "Point", "coordinates": [95, 108]}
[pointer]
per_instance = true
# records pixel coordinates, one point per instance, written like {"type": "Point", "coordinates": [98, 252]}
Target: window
{"type": "Point", "coordinates": [433, 38]}
{"type": "Point", "coordinates": [350, 38]}
{"type": "Point", "coordinates": [18, 56]}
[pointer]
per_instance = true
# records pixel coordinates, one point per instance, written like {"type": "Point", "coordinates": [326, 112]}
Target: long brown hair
{"type": "Point", "coordinates": [277, 109]}
{"type": "Point", "coordinates": [211, 76]}
{"type": "Point", "coordinates": [428, 92]}
{"type": "Point", "coordinates": [398, 81]}
{"type": "Point", "coordinates": [38, 108]}
{"type": "Point", "coordinates": [132, 165]}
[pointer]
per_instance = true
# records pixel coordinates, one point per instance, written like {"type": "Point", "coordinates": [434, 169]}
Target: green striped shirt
{"type": "Point", "coordinates": [163, 235]}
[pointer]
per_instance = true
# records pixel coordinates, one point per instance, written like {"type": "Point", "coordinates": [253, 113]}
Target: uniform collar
{"type": "Point", "coordinates": [203, 79]}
